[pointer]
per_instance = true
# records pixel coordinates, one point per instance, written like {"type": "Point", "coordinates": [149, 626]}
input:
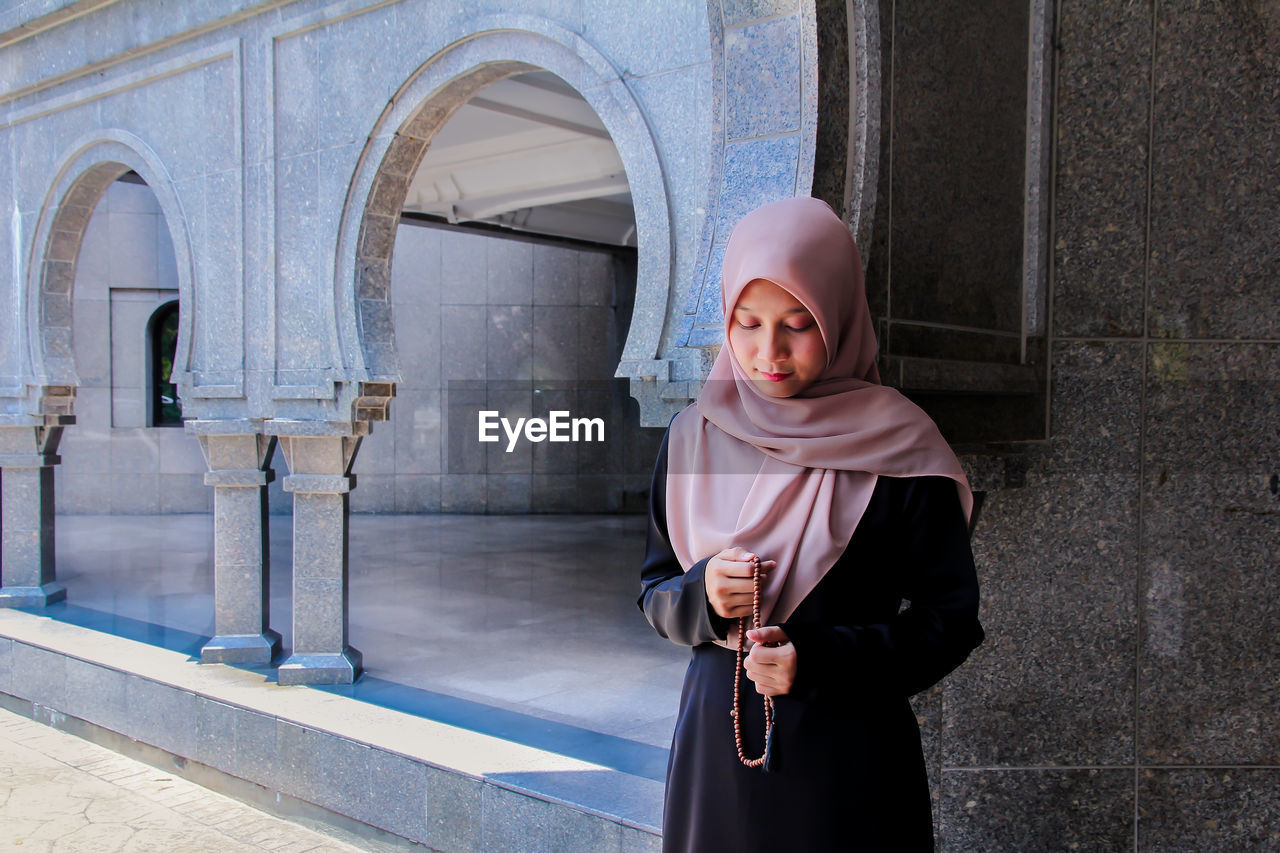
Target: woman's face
{"type": "Point", "coordinates": [775, 340]}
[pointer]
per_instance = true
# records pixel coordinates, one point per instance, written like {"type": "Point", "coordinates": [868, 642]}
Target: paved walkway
{"type": "Point", "coordinates": [60, 793]}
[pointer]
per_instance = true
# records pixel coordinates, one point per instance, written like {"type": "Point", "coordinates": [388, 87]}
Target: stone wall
{"type": "Point", "coordinates": [276, 137]}
{"type": "Point", "coordinates": [1124, 695]}
{"type": "Point", "coordinates": [113, 460]}
{"type": "Point", "coordinates": [519, 318]}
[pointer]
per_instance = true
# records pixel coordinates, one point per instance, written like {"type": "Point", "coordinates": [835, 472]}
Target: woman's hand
{"type": "Point", "coordinates": [772, 661]}
{"type": "Point", "coordinates": [728, 581]}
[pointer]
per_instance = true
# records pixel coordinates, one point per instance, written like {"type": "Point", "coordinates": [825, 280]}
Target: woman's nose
{"type": "Point", "coordinates": [773, 347]}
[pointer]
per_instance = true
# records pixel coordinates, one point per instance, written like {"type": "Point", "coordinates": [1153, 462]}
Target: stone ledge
{"type": "Point", "coordinates": [27, 19]}
{"type": "Point", "coordinates": [430, 783]}
{"type": "Point", "coordinates": [10, 419]}
{"type": "Point", "coordinates": [981, 377]}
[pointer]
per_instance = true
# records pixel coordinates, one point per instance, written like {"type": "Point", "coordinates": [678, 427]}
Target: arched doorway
{"type": "Point", "coordinates": [512, 277]}
{"type": "Point", "coordinates": [124, 457]}
{"type": "Point", "coordinates": [512, 282]}
{"type": "Point", "coordinates": [125, 302]}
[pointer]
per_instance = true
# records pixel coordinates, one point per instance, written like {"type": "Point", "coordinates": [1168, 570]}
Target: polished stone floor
{"type": "Point", "coordinates": [519, 623]}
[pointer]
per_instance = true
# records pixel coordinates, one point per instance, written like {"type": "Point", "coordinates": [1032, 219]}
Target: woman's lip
{"type": "Point", "coordinates": [774, 377]}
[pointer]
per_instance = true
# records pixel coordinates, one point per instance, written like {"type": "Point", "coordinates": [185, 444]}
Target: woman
{"type": "Point", "coordinates": [799, 484]}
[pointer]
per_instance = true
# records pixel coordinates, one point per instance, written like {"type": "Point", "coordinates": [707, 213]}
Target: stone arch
{"type": "Point", "coordinates": [495, 47]}
{"type": "Point", "coordinates": [93, 164]}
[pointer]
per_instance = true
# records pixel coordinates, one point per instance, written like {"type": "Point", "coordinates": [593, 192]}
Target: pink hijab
{"type": "Point", "coordinates": [790, 478]}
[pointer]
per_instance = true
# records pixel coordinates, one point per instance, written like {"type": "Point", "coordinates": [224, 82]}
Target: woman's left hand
{"type": "Point", "coordinates": [772, 661]}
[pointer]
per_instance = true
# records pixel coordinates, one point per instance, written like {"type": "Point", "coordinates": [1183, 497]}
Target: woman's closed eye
{"type": "Point", "coordinates": [754, 326]}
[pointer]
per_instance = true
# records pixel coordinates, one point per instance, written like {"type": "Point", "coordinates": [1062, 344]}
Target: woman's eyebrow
{"type": "Point", "coordinates": [800, 310]}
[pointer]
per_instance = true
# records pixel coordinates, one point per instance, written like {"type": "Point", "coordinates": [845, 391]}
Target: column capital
{"type": "Point", "coordinates": [233, 449]}
{"type": "Point", "coordinates": [31, 440]}
{"type": "Point", "coordinates": [320, 463]}
{"type": "Point", "coordinates": [12, 421]}
{"type": "Point", "coordinates": [29, 460]}
{"type": "Point", "coordinates": [289, 428]}
{"type": "Point", "coordinates": [223, 426]}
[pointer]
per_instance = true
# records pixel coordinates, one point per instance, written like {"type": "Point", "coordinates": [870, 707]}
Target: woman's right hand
{"type": "Point", "coordinates": [728, 581]}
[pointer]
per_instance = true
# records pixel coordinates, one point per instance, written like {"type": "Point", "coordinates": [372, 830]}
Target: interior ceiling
{"type": "Point", "coordinates": [527, 153]}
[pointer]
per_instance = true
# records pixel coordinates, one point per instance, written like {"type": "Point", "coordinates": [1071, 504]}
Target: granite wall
{"type": "Point", "coordinates": [521, 324]}
{"type": "Point", "coordinates": [1125, 694]}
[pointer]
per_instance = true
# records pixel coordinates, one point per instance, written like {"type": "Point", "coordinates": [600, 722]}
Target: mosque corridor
{"type": "Point", "coordinates": [520, 626]}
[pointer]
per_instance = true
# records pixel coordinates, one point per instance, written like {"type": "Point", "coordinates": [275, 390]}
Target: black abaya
{"type": "Point", "coordinates": [846, 768]}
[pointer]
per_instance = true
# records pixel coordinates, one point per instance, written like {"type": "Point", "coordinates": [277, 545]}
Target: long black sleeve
{"type": "Point", "coordinates": [915, 541]}
{"type": "Point", "coordinates": [674, 601]}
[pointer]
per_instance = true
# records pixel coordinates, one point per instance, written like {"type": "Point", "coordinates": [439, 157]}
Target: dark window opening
{"type": "Point", "coordinates": [163, 332]}
{"type": "Point", "coordinates": [956, 264]}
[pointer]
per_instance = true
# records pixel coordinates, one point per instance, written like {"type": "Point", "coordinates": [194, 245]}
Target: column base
{"type": "Point", "coordinates": [241, 648]}
{"type": "Point", "coordinates": [32, 596]}
{"type": "Point", "coordinates": [321, 668]}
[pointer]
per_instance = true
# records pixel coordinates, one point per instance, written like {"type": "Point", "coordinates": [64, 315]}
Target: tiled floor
{"type": "Point", "coordinates": [533, 615]}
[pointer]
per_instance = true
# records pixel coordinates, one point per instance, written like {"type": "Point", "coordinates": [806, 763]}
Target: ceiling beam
{"type": "Point", "coordinates": [540, 118]}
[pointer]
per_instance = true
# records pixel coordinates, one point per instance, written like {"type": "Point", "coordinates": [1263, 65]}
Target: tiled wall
{"type": "Point", "coordinates": [1126, 695]}
{"type": "Point", "coordinates": [517, 322]}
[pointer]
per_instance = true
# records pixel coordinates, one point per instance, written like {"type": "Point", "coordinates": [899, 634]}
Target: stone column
{"type": "Point", "coordinates": [320, 480]}
{"type": "Point", "coordinates": [239, 473]}
{"type": "Point", "coordinates": [27, 456]}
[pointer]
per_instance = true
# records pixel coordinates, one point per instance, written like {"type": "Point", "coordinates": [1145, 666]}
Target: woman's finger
{"type": "Point", "coordinates": [769, 635]}
{"type": "Point", "coordinates": [758, 666]}
{"type": "Point", "coordinates": [733, 569]}
{"type": "Point", "coordinates": [766, 681]}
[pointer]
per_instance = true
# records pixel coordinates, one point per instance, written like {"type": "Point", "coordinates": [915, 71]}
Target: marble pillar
{"type": "Point", "coordinates": [239, 473]}
{"type": "Point", "coordinates": [27, 456]}
{"type": "Point", "coordinates": [320, 480]}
